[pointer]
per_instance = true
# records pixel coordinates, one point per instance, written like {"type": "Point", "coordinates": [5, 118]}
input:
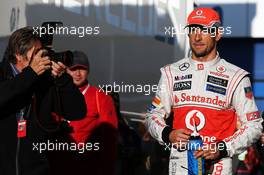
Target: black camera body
{"type": "Point", "coordinates": [66, 57]}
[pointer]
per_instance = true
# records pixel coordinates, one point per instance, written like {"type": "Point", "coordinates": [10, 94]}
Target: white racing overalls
{"type": "Point", "coordinates": [215, 94]}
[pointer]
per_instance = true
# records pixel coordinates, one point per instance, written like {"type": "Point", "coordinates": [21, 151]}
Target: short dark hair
{"type": "Point", "coordinates": [20, 42]}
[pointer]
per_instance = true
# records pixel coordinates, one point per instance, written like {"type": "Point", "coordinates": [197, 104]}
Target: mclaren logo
{"type": "Point", "coordinates": [184, 66]}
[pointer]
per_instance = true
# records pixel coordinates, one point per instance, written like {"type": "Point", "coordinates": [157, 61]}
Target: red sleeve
{"type": "Point", "coordinates": [107, 111]}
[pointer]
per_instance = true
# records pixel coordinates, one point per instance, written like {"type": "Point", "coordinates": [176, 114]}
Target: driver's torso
{"type": "Point", "coordinates": [202, 93]}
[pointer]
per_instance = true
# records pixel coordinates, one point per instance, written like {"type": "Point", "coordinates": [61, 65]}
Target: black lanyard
{"type": "Point", "coordinates": [21, 115]}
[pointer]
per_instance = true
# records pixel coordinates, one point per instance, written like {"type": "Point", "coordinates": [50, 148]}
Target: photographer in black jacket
{"type": "Point", "coordinates": [33, 91]}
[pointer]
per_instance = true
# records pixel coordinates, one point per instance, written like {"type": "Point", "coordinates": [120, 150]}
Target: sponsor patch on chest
{"type": "Point", "coordinates": [217, 81]}
{"type": "Point", "coordinates": [184, 85]}
{"type": "Point", "coordinates": [216, 89]}
{"type": "Point", "coordinates": [183, 77]}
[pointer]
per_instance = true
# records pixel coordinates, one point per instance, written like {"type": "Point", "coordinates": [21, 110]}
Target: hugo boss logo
{"type": "Point", "coordinates": [184, 66]}
{"type": "Point", "coordinates": [182, 85]}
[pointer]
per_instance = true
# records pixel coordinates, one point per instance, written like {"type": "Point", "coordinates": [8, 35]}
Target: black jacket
{"type": "Point", "coordinates": [41, 92]}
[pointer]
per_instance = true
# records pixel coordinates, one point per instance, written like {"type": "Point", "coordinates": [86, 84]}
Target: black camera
{"type": "Point", "coordinates": [66, 57]}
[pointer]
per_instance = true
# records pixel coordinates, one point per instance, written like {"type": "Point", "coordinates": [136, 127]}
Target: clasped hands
{"type": "Point", "coordinates": [180, 138]}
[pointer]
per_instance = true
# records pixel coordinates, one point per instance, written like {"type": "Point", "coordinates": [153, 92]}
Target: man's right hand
{"type": "Point", "coordinates": [179, 137]}
{"type": "Point", "coordinates": [40, 64]}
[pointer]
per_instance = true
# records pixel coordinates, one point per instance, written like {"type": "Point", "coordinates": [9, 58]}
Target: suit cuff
{"type": "Point", "coordinates": [63, 80]}
{"type": "Point", "coordinates": [30, 72]}
{"type": "Point", "coordinates": [165, 134]}
{"type": "Point", "coordinates": [222, 148]}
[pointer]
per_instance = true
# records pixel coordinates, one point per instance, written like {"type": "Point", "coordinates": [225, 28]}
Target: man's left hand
{"type": "Point", "coordinates": [209, 152]}
{"type": "Point", "coordinates": [57, 69]}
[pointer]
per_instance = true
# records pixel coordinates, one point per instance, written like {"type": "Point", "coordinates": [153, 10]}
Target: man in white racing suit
{"type": "Point", "coordinates": [209, 91]}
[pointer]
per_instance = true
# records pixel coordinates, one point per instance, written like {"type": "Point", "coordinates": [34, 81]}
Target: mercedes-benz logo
{"type": "Point", "coordinates": [184, 66]}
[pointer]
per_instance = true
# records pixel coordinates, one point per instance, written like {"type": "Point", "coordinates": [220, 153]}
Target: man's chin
{"type": "Point", "coordinates": [199, 54]}
{"type": "Point", "coordinates": [78, 83]}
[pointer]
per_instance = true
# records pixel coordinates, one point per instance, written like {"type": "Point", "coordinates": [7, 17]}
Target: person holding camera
{"type": "Point", "coordinates": [33, 90]}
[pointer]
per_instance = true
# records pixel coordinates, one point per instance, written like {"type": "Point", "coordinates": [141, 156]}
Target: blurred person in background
{"type": "Point", "coordinates": [29, 86]}
{"type": "Point", "coordinates": [129, 154]}
{"type": "Point", "coordinates": [249, 160]}
{"type": "Point", "coordinates": [98, 129]}
{"type": "Point", "coordinates": [260, 151]}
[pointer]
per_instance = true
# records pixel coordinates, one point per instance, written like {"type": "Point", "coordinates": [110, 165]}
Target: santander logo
{"type": "Point", "coordinates": [185, 98]}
